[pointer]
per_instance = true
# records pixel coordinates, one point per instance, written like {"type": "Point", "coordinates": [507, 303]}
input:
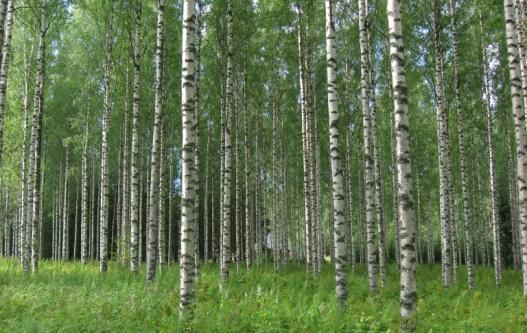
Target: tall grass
{"type": "Point", "coordinates": [71, 297]}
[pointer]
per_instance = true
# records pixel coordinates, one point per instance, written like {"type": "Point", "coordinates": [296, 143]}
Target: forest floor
{"type": "Point", "coordinates": [71, 297]}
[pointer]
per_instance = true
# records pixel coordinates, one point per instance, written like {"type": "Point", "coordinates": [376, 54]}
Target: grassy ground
{"type": "Point", "coordinates": [70, 297]}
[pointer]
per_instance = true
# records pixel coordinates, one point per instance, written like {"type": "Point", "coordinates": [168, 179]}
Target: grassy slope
{"type": "Point", "coordinates": [70, 297]}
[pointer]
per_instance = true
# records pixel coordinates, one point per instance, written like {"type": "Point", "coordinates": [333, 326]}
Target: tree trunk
{"type": "Point", "coordinates": [162, 202]}
{"type": "Point", "coordinates": [443, 154]}
{"type": "Point", "coordinates": [65, 211]}
{"type": "Point", "coordinates": [408, 289]}
{"type": "Point", "coordinates": [6, 14]}
{"type": "Point", "coordinates": [308, 218]}
{"type": "Point", "coordinates": [229, 99]}
{"type": "Point", "coordinates": [36, 139]}
{"type": "Point", "coordinates": [339, 229]}
{"type": "Point", "coordinates": [188, 222]}
{"type": "Point", "coordinates": [520, 134]}
{"type": "Point", "coordinates": [134, 181]}
{"type": "Point", "coordinates": [490, 152]}
{"type": "Point", "coordinates": [462, 153]}
{"type": "Point", "coordinates": [104, 187]}
{"type": "Point", "coordinates": [366, 120]}
{"type": "Point", "coordinates": [153, 195]}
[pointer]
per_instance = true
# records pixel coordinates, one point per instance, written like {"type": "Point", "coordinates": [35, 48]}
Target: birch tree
{"type": "Point", "coordinates": [339, 229]}
{"type": "Point", "coordinates": [408, 289]}
{"type": "Point", "coordinates": [153, 202]}
{"type": "Point", "coordinates": [104, 183]}
{"type": "Point", "coordinates": [188, 71]}
{"type": "Point", "coordinates": [134, 172]}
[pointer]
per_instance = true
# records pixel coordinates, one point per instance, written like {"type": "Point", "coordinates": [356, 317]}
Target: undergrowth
{"type": "Point", "coordinates": [71, 297]}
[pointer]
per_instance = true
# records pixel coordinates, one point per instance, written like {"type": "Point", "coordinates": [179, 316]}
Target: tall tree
{"type": "Point", "coordinates": [462, 153]}
{"type": "Point", "coordinates": [84, 193]}
{"type": "Point", "coordinates": [408, 289]}
{"type": "Point", "coordinates": [153, 202]}
{"type": "Point", "coordinates": [134, 172]}
{"type": "Point", "coordinates": [188, 72]}
{"type": "Point", "coordinates": [519, 129]}
{"type": "Point", "coordinates": [443, 148]}
{"type": "Point", "coordinates": [104, 184]}
{"type": "Point", "coordinates": [490, 151]}
{"type": "Point", "coordinates": [6, 14]}
{"type": "Point", "coordinates": [229, 106]}
{"type": "Point", "coordinates": [65, 209]}
{"type": "Point", "coordinates": [339, 229]}
{"type": "Point", "coordinates": [36, 135]}
{"type": "Point", "coordinates": [368, 169]}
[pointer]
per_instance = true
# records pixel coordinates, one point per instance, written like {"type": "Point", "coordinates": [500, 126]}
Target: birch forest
{"type": "Point", "coordinates": [263, 166]}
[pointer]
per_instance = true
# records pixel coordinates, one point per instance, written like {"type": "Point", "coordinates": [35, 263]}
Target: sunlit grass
{"type": "Point", "coordinates": [71, 297]}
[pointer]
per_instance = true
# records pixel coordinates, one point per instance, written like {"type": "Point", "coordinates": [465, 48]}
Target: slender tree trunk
{"type": "Point", "coordinates": [153, 195]}
{"type": "Point", "coordinates": [84, 193]}
{"type": "Point", "coordinates": [490, 152]}
{"type": "Point", "coordinates": [513, 195]}
{"type": "Point", "coordinates": [275, 186]}
{"type": "Point", "coordinates": [308, 218]}
{"type": "Point", "coordinates": [104, 187]}
{"type": "Point", "coordinates": [462, 153]}
{"type": "Point", "coordinates": [395, 181]}
{"type": "Point", "coordinates": [65, 210]}
{"type": "Point", "coordinates": [443, 154]}
{"type": "Point", "coordinates": [229, 99]}
{"type": "Point", "coordinates": [366, 120]}
{"type": "Point", "coordinates": [248, 224]}
{"type": "Point", "coordinates": [520, 38]}
{"type": "Point", "coordinates": [408, 289]}
{"type": "Point", "coordinates": [6, 14]}
{"type": "Point", "coordinates": [76, 220]}
{"type": "Point", "coordinates": [197, 105]}
{"type": "Point", "coordinates": [162, 202]}
{"type": "Point", "coordinates": [25, 167]}
{"type": "Point", "coordinates": [134, 172]}
{"type": "Point", "coordinates": [206, 203]}
{"type": "Point", "coordinates": [36, 139]}
{"type": "Point", "coordinates": [339, 229]}
{"type": "Point", "coordinates": [187, 271]}
{"type": "Point", "coordinates": [520, 134]}
{"type": "Point", "coordinates": [170, 214]}
{"type": "Point", "coordinates": [124, 240]}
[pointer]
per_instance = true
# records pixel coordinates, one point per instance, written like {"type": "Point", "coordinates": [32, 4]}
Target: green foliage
{"type": "Point", "coordinates": [71, 297]}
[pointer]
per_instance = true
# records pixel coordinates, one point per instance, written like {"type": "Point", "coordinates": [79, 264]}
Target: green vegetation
{"type": "Point", "coordinates": [71, 297]}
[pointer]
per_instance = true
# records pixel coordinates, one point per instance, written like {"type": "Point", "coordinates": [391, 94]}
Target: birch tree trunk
{"type": "Point", "coordinates": [84, 193]}
{"type": "Point", "coordinates": [248, 224]}
{"type": "Point", "coordinates": [153, 195]}
{"type": "Point", "coordinates": [104, 190]}
{"type": "Point", "coordinates": [197, 105]}
{"type": "Point", "coordinates": [134, 172]}
{"type": "Point", "coordinates": [124, 240]}
{"type": "Point", "coordinates": [490, 151]}
{"type": "Point", "coordinates": [462, 153]}
{"type": "Point", "coordinates": [65, 210]}
{"type": "Point", "coordinates": [6, 14]}
{"type": "Point", "coordinates": [229, 99]}
{"type": "Point", "coordinates": [305, 147]}
{"type": "Point", "coordinates": [25, 167]}
{"type": "Point", "coordinates": [366, 120]}
{"type": "Point", "coordinates": [339, 229]}
{"type": "Point", "coordinates": [187, 272]}
{"type": "Point", "coordinates": [36, 138]}
{"type": "Point", "coordinates": [408, 289]}
{"type": "Point", "coordinates": [162, 201]}
{"type": "Point", "coordinates": [443, 154]}
{"type": "Point", "coordinates": [519, 126]}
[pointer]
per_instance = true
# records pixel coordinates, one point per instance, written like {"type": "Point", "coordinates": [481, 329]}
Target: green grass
{"type": "Point", "coordinates": [71, 297]}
